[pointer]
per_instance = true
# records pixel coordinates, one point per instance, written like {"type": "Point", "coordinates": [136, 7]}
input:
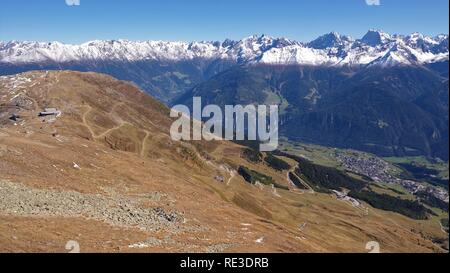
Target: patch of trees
{"type": "Point", "coordinates": [432, 201]}
{"type": "Point", "coordinates": [297, 181]}
{"type": "Point", "coordinates": [412, 209]}
{"type": "Point", "coordinates": [321, 178]}
{"type": "Point", "coordinates": [413, 171]}
{"type": "Point", "coordinates": [252, 155]}
{"type": "Point", "coordinates": [324, 179]}
{"type": "Point", "coordinates": [252, 177]}
{"type": "Point", "coordinates": [252, 144]}
{"type": "Point", "coordinates": [291, 156]}
{"type": "Point", "coordinates": [276, 163]}
{"type": "Point", "coordinates": [444, 223]}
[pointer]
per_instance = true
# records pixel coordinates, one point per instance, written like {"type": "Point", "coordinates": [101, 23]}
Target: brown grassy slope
{"type": "Point", "coordinates": [119, 137]}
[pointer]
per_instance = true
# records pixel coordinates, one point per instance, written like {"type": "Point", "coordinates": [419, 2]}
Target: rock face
{"type": "Point", "coordinates": [61, 180]}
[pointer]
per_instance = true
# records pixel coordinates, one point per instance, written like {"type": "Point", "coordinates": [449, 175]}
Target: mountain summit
{"type": "Point", "coordinates": [332, 39]}
{"type": "Point", "coordinates": [376, 38]}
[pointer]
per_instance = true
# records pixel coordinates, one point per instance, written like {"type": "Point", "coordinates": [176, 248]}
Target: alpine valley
{"type": "Point", "coordinates": [86, 155]}
{"type": "Point", "coordinates": [384, 94]}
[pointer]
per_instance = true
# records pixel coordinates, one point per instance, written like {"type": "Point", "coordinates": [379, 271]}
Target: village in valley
{"type": "Point", "coordinates": [381, 171]}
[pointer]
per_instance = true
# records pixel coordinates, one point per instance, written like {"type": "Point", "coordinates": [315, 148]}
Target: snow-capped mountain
{"type": "Point", "coordinates": [375, 48]}
{"type": "Point", "coordinates": [376, 38]}
{"type": "Point", "coordinates": [331, 40]}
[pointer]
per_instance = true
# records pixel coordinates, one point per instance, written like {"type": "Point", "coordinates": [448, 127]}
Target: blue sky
{"type": "Point", "coordinates": [188, 20]}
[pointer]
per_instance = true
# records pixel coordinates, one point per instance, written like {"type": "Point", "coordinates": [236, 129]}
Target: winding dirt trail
{"type": "Point", "coordinates": [95, 136]}
{"type": "Point", "coordinates": [85, 121]}
{"type": "Point", "coordinates": [232, 175]}
{"type": "Point", "coordinates": [105, 133]}
{"type": "Point", "coordinates": [102, 135]}
{"type": "Point", "coordinates": [144, 141]}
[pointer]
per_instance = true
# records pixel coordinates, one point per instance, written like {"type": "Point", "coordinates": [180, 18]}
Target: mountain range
{"type": "Point", "coordinates": [382, 93]}
{"type": "Point", "coordinates": [375, 48]}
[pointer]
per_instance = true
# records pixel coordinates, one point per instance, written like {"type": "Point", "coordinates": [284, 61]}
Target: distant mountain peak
{"type": "Point", "coordinates": [329, 49]}
{"type": "Point", "coordinates": [332, 39]}
{"type": "Point", "coordinates": [376, 37]}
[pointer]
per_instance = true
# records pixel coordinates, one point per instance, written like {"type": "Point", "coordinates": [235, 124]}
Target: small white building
{"type": "Point", "coordinates": [50, 112]}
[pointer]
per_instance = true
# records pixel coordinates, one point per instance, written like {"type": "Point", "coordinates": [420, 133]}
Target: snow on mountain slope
{"type": "Point", "coordinates": [23, 52]}
{"type": "Point", "coordinates": [296, 54]}
{"type": "Point", "coordinates": [331, 40]}
{"type": "Point", "coordinates": [400, 53]}
{"type": "Point", "coordinates": [376, 38]}
{"type": "Point", "coordinates": [375, 48]}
